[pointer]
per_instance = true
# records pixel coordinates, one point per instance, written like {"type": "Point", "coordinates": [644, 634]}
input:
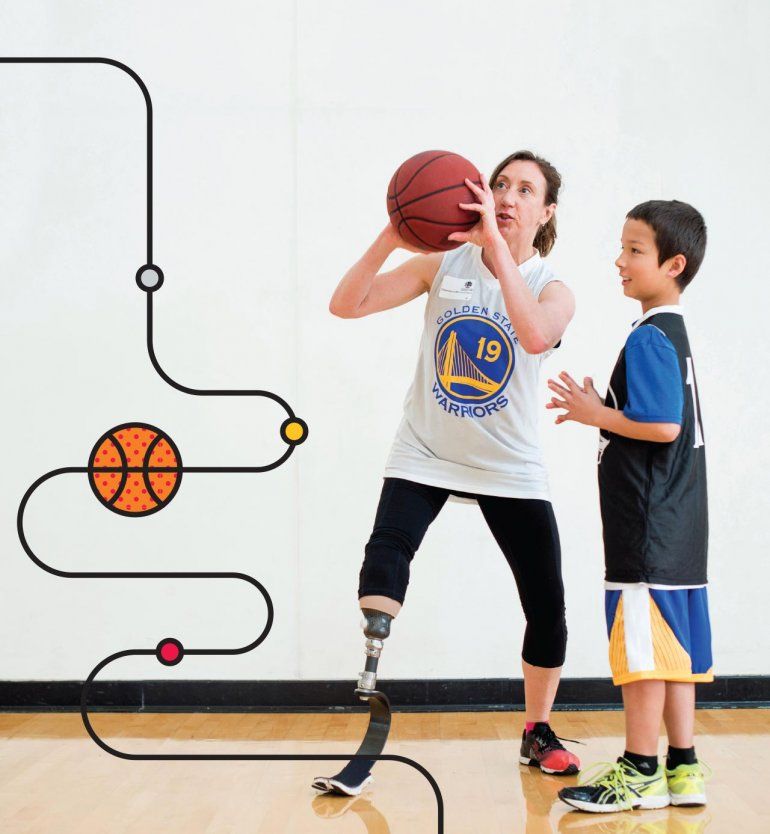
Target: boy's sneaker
{"type": "Point", "coordinates": [617, 787]}
{"type": "Point", "coordinates": [541, 747]}
{"type": "Point", "coordinates": [687, 784]}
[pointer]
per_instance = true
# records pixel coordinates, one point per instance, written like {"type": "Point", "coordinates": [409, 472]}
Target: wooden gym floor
{"type": "Point", "coordinates": [55, 780]}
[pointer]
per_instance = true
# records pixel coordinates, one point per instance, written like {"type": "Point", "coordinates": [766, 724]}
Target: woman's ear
{"type": "Point", "coordinates": [548, 213]}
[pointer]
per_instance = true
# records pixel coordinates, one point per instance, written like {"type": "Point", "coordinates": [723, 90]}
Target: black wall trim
{"type": "Point", "coordinates": [329, 696]}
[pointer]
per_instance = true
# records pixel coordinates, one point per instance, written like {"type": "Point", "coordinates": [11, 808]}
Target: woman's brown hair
{"type": "Point", "coordinates": [546, 234]}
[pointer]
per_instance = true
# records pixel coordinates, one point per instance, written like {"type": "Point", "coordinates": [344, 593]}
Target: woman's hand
{"type": "Point", "coordinates": [583, 405]}
{"type": "Point", "coordinates": [486, 232]}
{"type": "Point", "coordinates": [395, 241]}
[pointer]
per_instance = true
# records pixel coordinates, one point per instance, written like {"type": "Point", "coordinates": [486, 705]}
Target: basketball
{"type": "Point", "coordinates": [135, 469]}
{"type": "Point", "coordinates": [423, 198]}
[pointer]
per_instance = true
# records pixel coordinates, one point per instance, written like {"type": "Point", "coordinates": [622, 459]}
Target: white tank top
{"type": "Point", "coordinates": [471, 414]}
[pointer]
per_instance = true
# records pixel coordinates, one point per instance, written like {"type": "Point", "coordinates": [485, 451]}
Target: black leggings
{"type": "Point", "coordinates": [524, 528]}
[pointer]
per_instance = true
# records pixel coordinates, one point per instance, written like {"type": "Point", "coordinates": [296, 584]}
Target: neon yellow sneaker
{"type": "Point", "coordinates": [687, 784]}
{"type": "Point", "coordinates": [607, 787]}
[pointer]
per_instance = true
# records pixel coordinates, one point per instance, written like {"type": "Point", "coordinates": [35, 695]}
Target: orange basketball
{"type": "Point", "coordinates": [135, 469]}
{"type": "Point", "coordinates": [423, 198]}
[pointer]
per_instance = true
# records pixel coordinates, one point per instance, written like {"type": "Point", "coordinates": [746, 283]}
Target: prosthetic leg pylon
{"type": "Point", "coordinates": [356, 774]}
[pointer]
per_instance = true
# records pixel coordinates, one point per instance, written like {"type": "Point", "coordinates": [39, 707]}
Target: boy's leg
{"type": "Point", "coordinates": [643, 703]}
{"type": "Point", "coordinates": [679, 714]}
{"type": "Point", "coordinates": [686, 783]}
{"type": "Point", "coordinates": [637, 780]}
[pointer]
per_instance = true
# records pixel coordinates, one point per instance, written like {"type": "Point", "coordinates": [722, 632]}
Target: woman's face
{"type": "Point", "coordinates": [520, 194]}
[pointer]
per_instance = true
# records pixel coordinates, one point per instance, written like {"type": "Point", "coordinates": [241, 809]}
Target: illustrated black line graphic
{"type": "Point", "coordinates": [114, 462]}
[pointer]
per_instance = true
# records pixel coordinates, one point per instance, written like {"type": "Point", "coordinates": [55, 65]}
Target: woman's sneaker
{"type": "Point", "coordinates": [617, 787]}
{"type": "Point", "coordinates": [687, 784]}
{"type": "Point", "coordinates": [541, 747]}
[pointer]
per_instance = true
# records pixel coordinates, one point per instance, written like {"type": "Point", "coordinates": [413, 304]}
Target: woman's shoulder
{"type": "Point", "coordinates": [464, 256]}
{"type": "Point", "coordinates": [541, 274]}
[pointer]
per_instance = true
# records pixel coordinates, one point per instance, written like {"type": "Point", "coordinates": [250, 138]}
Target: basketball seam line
{"type": "Point", "coordinates": [412, 232]}
{"type": "Point", "coordinates": [403, 219]}
{"type": "Point", "coordinates": [400, 206]}
{"type": "Point", "coordinates": [422, 167]}
{"type": "Point", "coordinates": [442, 223]}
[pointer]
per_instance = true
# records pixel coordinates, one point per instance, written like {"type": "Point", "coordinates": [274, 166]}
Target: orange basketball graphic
{"type": "Point", "coordinates": [136, 469]}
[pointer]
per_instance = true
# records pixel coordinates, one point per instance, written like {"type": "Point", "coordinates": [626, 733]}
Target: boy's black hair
{"type": "Point", "coordinates": [679, 229]}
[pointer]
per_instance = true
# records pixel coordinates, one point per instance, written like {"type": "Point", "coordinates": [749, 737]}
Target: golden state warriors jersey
{"type": "Point", "coordinates": [471, 415]}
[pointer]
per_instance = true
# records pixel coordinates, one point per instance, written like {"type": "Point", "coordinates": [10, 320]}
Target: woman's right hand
{"type": "Point", "coordinates": [395, 240]}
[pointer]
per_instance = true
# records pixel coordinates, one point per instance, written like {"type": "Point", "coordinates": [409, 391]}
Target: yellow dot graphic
{"type": "Point", "coordinates": [294, 431]}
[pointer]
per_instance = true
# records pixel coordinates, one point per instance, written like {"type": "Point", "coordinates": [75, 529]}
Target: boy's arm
{"type": "Point", "coordinates": [584, 405]}
{"type": "Point", "coordinates": [655, 398]}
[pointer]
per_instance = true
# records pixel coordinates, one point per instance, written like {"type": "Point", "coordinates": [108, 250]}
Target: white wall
{"type": "Point", "coordinates": [277, 127]}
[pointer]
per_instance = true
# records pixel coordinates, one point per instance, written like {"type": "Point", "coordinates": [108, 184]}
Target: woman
{"type": "Point", "coordinates": [494, 311]}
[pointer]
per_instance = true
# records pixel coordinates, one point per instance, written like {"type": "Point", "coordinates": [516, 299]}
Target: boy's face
{"type": "Point", "coordinates": [643, 277]}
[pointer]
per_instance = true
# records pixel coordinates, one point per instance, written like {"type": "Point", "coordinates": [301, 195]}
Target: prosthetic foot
{"type": "Point", "coordinates": [356, 775]}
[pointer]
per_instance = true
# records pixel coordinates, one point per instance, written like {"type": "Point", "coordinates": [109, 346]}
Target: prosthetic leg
{"type": "Point", "coordinates": [354, 777]}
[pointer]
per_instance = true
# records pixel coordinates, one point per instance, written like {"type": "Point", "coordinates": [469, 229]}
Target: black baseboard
{"type": "Point", "coordinates": [331, 696]}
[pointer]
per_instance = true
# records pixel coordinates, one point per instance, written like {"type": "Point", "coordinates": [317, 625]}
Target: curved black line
{"type": "Point", "coordinates": [220, 757]}
{"type": "Point", "coordinates": [203, 392]}
{"type": "Point", "coordinates": [468, 223]}
{"type": "Point", "coordinates": [149, 247]}
{"type": "Point", "coordinates": [205, 652]}
{"type": "Point", "coordinates": [185, 575]}
{"type": "Point", "coordinates": [401, 206]}
{"type": "Point", "coordinates": [425, 243]}
{"type": "Point", "coordinates": [124, 474]}
{"type": "Point", "coordinates": [146, 474]}
{"type": "Point", "coordinates": [148, 103]}
{"type": "Point", "coordinates": [422, 167]}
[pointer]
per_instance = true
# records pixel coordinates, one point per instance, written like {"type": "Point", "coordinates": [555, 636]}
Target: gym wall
{"type": "Point", "coordinates": [277, 127]}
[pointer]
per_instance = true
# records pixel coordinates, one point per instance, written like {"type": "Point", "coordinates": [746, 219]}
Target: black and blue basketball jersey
{"type": "Point", "coordinates": [653, 495]}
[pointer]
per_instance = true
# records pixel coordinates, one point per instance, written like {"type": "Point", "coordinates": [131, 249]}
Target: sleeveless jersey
{"type": "Point", "coordinates": [653, 495]}
{"type": "Point", "coordinates": [470, 419]}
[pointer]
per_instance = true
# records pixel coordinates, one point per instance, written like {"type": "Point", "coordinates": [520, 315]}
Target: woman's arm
{"type": "Point", "coordinates": [363, 290]}
{"type": "Point", "coordinates": [539, 322]}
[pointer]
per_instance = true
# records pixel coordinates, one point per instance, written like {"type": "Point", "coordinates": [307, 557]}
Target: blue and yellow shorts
{"type": "Point", "coordinates": [658, 634]}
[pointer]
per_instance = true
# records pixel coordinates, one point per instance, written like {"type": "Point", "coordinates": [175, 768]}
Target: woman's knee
{"type": "Point", "coordinates": [385, 571]}
{"type": "Point", "coordinates": [545, 639]}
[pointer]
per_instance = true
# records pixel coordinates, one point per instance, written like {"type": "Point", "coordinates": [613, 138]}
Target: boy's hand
{"type": "Point", "coordinates": [583, 405]}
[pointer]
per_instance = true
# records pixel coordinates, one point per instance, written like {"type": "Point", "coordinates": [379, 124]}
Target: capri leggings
{"type": "Point", "coordinates": [524, 528]}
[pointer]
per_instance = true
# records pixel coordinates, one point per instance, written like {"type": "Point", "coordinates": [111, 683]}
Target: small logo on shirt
{"type": "Point", "coordinates": [474, 359]}
{"type": "Point", "coordinates": [459, 289]}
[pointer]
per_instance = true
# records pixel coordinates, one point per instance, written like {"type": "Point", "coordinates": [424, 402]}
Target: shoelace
{"type": "Point", "coordinates": [604, 773]}
{"type": "Point", "coordinates": [611, 775]}
{"type": "Point", "coordinates": [550, 741]}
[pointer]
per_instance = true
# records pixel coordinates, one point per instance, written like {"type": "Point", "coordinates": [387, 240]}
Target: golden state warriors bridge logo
{"type": "Point", "coordinates": [474, 360]}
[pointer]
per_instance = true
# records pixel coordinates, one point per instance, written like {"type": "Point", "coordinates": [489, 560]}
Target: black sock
{"type": "Point", "coordinates": [680, 755]}
{"type": "Point", "coordinates": [644, 764]}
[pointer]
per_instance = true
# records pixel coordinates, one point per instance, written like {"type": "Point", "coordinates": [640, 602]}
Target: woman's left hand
{"type": "Point", "coordinates": [485, 232]}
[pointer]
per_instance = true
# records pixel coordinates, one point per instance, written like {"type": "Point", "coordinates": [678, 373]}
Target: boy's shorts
{"type": "Point", "coordinates": [658, 634]}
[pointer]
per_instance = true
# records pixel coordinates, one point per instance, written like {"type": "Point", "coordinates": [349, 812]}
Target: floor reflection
{"type": "Point", "coordinates": [329, 807]}
{"type": "Point", "coordinates": [544, 813]}
{"type": "Point", "coordinates": [669, 820]}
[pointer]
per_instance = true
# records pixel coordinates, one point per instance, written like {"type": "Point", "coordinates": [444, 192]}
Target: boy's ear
{"type": "Point", "coordinates": [676, 265]}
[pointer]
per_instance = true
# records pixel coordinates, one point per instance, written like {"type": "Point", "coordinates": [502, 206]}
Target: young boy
{"type": "Point", "coordinates": [652, 486]}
